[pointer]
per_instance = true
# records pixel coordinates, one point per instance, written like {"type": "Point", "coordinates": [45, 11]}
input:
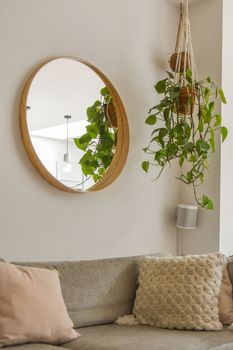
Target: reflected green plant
{"type": "Point", "coordinates": [99, 141]}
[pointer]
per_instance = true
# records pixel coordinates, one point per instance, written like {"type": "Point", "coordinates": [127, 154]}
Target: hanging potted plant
{"type": "Point", "coordinates": [109, 109]}
{"type": "Point", "coordinates": [185, 118]}
{"type": "Point", "coordinates": [179, 64]}
{"type": "Point", "coordinates": [99, 141]}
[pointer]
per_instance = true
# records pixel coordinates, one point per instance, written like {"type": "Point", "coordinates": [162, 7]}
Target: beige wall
{"type": "Point", "coordinates": [226, 209]}
{"type": "Point", "coordinates": [206, 23]}
{"type": "Point", "coordinates": [129, 41]}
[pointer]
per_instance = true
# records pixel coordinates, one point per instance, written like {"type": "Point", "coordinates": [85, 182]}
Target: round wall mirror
{"type": "Point", "coordinates": [73, 125]}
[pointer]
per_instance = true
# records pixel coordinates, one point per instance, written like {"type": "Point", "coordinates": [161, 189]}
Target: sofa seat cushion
{"type": "Point", "coordinates": [115, 337]}
{"type": "Point", "coordinates": [35, 346]}
{"type": "Point", "coordinates": [223, 347]}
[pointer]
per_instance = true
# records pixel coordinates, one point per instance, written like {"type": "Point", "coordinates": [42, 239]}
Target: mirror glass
{"type": "Point", "coordinates": [72, 122]}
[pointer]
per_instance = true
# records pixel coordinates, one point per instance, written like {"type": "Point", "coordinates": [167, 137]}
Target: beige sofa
{"type": "Point", "coordinates": [97, 292]}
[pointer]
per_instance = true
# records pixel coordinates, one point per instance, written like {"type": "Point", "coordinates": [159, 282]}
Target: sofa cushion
{"type": "Point", "coordinates": [114, 337]}
{"type": "Point", "coordinates": [35, 346]}
{"type": "Point", "coordinates": [225, 299]}
{"type": "Point", "coordinates": [32, 308]}
{"type": "Point", "coordinates": [223, 347]}
{"type": "Point", "coordinates": [230, 268]}
{"type": "Point", "coordinates": [180, 292]}
{"type": "Point", "coordinates": [97, 291]}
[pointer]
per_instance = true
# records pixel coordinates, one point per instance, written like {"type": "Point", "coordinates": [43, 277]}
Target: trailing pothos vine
{"type": "Point", "coordinates": [188, 137]}
{"type": "Point", "coordinates": [99, 140]}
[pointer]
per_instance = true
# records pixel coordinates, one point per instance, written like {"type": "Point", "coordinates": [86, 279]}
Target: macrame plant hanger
{"type": "Point", "coordinates": [184, 54]}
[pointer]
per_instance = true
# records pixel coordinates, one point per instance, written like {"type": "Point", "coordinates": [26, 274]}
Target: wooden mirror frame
{"type": "Point", "coordinates": [122, 146]}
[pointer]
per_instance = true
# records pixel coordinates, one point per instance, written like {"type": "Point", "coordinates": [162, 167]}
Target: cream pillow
{"type": "Point", "coordinates": [225, 298]}
{"type": "Point", "coordinates": [180, 292]}
{"type": "Point", "coordinates": [32, 307]}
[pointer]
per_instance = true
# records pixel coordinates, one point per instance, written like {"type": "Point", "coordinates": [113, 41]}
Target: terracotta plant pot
{"type": "Point", "coordinates": [111, 114]}
{"type": "Point", "coordinates": [184, 105]}
{"type": "Point", "coordinates": [183, 65]}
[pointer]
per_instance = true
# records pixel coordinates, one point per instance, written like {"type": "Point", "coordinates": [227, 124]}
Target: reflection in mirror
{"type": "Point", "coordinates": [99, 140]}
{"type": "Point", "coordinates": [72, 122]}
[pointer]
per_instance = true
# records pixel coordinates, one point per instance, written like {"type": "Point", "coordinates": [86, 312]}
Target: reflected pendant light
{"type": "Point", "coordinates": [67, 156]}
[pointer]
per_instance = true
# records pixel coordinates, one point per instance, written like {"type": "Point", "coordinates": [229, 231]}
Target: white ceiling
{"type": "Point", "coordinates": [61, 87]}
{"type": "Point", "coordinates": [59, 132]}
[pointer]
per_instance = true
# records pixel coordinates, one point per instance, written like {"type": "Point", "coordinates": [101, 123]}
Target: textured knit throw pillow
{"type": "Point", "coordinates": [32, 307]}
{"type": "Point", "coordinates": [180, 292]}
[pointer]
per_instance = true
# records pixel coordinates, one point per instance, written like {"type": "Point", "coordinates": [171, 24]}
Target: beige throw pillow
{"type": "Point", "coordinates": [32, 307]}
{"type": "Point", "coordinates": [225, 298]}
{"type": "Point", "coordinates": [180, 292]}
